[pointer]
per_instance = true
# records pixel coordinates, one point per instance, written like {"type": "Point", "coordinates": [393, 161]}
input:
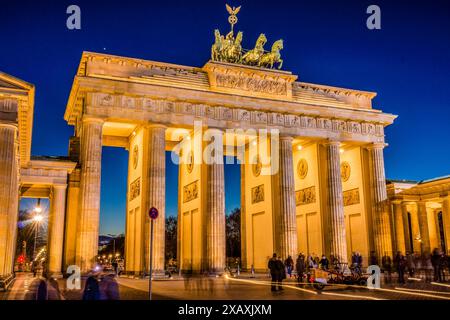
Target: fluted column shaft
{"type": "Point", "coordinates": [399, 227]}
{"type": "Point", "coordinates": [288, 223]}
{"type": "Point", "coordinates": [336, 202]}
{"type": "Point", "coordinates": [408, 243]}
{"type": "Point", "coordinates": [215, 212]}
{"type": "Point", "coordinates": [446, 220]}
{"type": "Point", "coordinates": [380, 212]}
{"type": "Point", "coordinates": [423, 227]}
{"type": "Point", "coordinates": [8, 196]}
{"type": "Point", "coordinates": [56, 229]}
{"type": "Point", "coordinates": [89, 203]}
{"type": "Point", "coordinates": [156, 196]}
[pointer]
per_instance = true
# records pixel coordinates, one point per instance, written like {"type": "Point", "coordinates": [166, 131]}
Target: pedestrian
{"type": "Point", "coordinates": [281, 268]}
{"type": "Point", "coordinates": [428, 267]}
{"type": "Point", "coordinates": [410, 264]}
{"type": "Point", "coordinates": [324, 262]}
{"type": "Point", "coordinates": [300, 267]}
{"type": "Point", "coordinates": [272, 265]}
{"type": "Point", "coordinates": [401, 269]}
{"type": "Point", "coordinates": [387, 267]}
{"type": "Point", "coordinates": [289, 265]}
{"type": "Point", "coordinates": [435, 261]}
{"type": "Point", "coordinates": [108, 287]}
{"type": "Point", "coordinates": [359, 260]}
{"type": "Point", "coordinates": [91, 289]}
{"type": "Point", "coordinates": [373, 260]}
{"type": "Point", "coordinates": [310, 266]}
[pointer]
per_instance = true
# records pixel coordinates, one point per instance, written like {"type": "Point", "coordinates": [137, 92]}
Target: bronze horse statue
{"type": "Point", "coordinates": [269, 59]}
{"type": "Point", "coordinates": [252, 57]}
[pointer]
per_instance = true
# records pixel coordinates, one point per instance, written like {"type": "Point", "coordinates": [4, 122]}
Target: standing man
{"type": "Point", "coordinates": [273, 267]}
{"type": "Point", "coordinates": [289, 265]}
{"type": "Point", "coordinates": [300, 266]}
{"type": "Point", "coordinates": [281, 268]}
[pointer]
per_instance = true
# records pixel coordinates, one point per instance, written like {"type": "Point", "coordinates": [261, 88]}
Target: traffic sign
{"type": "Point", "coordinates": [153, 213]}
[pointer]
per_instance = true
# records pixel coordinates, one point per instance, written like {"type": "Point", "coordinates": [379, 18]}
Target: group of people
{"type": "Point", "coordinates": [303, 265]}
{"type": "Point", "coordinates": [430, 266]}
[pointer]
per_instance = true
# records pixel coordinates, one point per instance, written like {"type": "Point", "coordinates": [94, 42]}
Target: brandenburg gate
{"type": "Point", "coordinates": [311, 158]}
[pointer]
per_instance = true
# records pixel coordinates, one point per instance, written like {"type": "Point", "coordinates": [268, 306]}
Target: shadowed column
{"type": "Point", "coordinates": [380, 212]}
{"type": "Point", "coordinates": [335, 202]}
{"type": "Point", "coordinates": [89, 205]}
{"type": "Point", "coordinates": [215, 215]}
{"type": "Point", "coordinates": [156, 196]}
{"type": "Point", "coordinates": [8, 195]}
{"type": "Point", "coordinates": [399, 227]}
{"type": "Point", "coordinates": [288, 224]}
{"type": "Point", "coordinates": [56, 229]}
{"type": "Point", "coordinates": [423, 227]}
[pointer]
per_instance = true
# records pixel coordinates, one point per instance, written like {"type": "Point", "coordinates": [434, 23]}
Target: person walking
{"type": "Point", "coordinates": [300, 267]}
{"type": "Point", "coordinates": [289, 265]}
{"type": "Point", "coordinates": [273, 267]}
{"type": "Point", "coordinates": [435, 261]}
{"type": "Point", "coordinates": [91, 289]}
{"type": "Point", "coordinates": [281, 268]}
{"type": "Point", "coordinates": [410, 264]}
{"type": "Point", "coordinates": [387, 267]}
{"type": "Point", "coordinates": [401, 269]}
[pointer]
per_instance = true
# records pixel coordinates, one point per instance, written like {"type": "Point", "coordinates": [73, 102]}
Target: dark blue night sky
{"type": "Point", "coordinates": [407, 62]}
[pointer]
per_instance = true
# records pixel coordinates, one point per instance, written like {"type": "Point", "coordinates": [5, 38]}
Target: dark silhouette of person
{"type": "Point", "coordinates": [300, 267]}
{"type": "Point", "coordinates": [91, 289]}
{"type": "Point", "coordinates": [109, 289]}
{"type": "Point", "coordinates": [41, 293]}
{"type": "Point", "coordinates": [281, 269]}
{"type": "Point", "coordinates": [275, 274]}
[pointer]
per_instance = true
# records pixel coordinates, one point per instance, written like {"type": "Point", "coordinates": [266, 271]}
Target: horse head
{"type": "Point", "coordinates": [261, 41]}
{"type": "Point", "coordinates": [277, 45]}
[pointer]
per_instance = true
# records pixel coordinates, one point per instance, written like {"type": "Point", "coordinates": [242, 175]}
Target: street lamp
{"type": "Point", "coordinates": [37, 219]}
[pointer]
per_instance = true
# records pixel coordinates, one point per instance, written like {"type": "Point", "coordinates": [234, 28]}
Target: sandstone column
{"type": "Point", "coordinates": [56, 229]}
{"type": "Point", "coordinates": [335, 202]}
{"type": "Point", "coordinates": [423, 227]}
{"type": "Point", "coordinates": [399, 227]}
{"type": "Point", "coordinates": [8, 195]}
{"type": "Point", "coordinates": [446, 220]}
{"type": "Point", "coordinates": [288, 223]}
{"type": "Point", "coordinates": [408, 235]}
{"type": "Point", "coordinates": [89, 203]}
{"type": "Point", "coordinates": [156, 196]}
{"type": "Point", "coordinates": [215, 210]}
{"type": "Point", "coordinates": [380, 212]}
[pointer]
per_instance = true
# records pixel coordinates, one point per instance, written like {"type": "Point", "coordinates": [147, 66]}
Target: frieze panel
{"type": "Point", "coordinates": [258, 194]}
{"type": "Point", "coordinates": [252, 84]}
{"type": "Point", "coordinates": [351, 197]}
{"type": "Point", "coordinates": [190, 192]}
{"type": "Point", "coordinates": [135, 189]}
{"type": "Point", "coordinates": [305, 196]}
{"type": "Point", "coordinates": [240, 115]}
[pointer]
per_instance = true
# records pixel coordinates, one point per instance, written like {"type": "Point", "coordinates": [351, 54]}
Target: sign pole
{"type": "Point", "coordinates": [151, 260]}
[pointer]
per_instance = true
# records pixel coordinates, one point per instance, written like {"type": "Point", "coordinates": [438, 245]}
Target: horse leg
{"type": "Point", "coordinates": [281, 64]}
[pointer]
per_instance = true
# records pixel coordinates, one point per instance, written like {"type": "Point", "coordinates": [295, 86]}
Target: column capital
{"type": "Point", "coordinates": [155, 126]}
{"type": "Point", "coordinates": [60, 186]}
{"type": "Point", "coordinates": [331, 142]}
{"type": "Point", "coordinates": [9, 124]}
{"type": "Point", "coordinates": [376, 146]}
{"type": "Point", "coordinates": [285, 137]}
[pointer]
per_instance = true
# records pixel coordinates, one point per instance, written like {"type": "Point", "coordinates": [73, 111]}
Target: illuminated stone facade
{"type": "Point", "coordinates": [325, 194]}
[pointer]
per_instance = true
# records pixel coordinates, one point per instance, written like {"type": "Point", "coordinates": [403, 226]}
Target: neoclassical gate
{"type": "Point", "coordinates": [324, 194]}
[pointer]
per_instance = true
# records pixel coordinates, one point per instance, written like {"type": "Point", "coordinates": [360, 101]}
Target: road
{"type": "Point", "coordinates": [233, 288]}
